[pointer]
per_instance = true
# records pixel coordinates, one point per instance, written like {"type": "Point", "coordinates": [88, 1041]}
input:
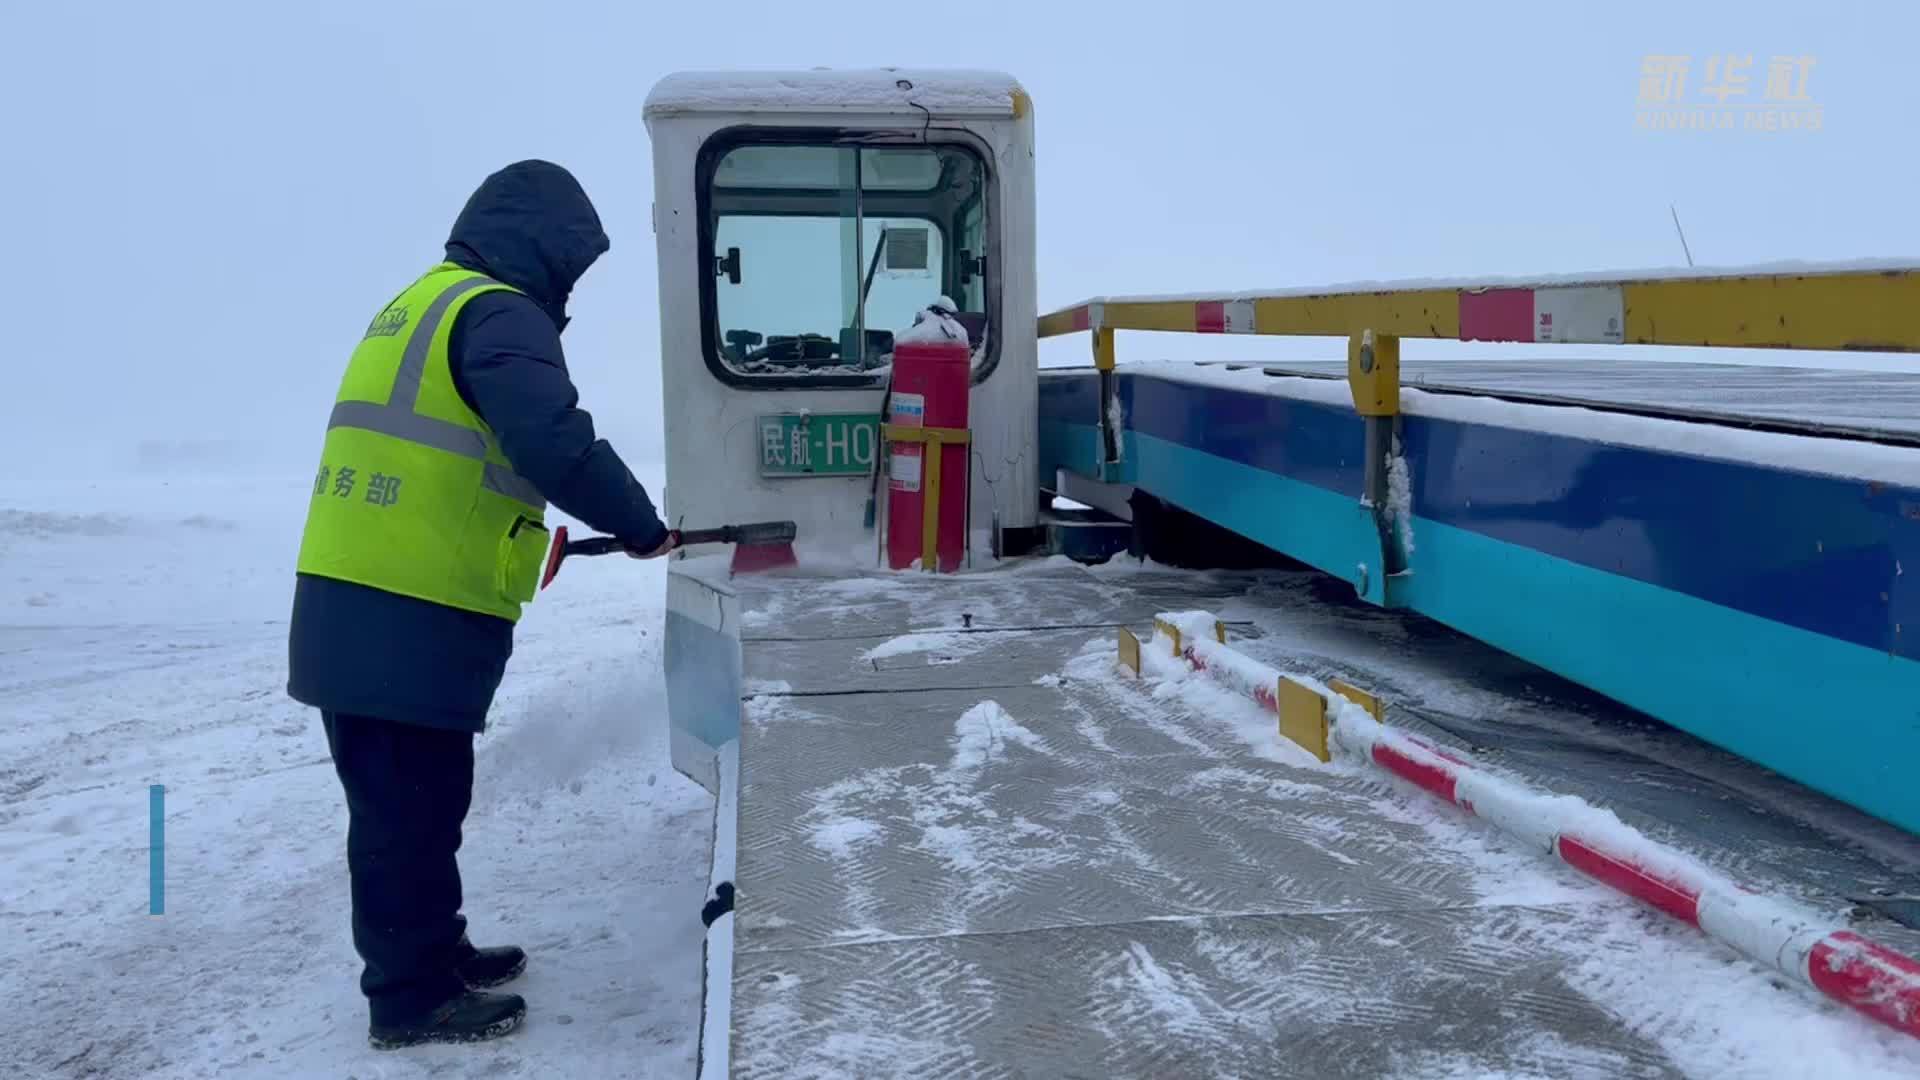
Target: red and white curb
{"type": "Point", "coordinates": [1785, 936]}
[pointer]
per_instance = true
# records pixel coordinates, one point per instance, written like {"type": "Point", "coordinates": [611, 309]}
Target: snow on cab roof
{"type": "Point", "coordinates": [887, 89]}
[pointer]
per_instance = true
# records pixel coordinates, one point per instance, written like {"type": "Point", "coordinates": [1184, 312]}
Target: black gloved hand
{"type": "Point", "coordinates": [721, 903]}
{"type": "Point", "coordinates": [666, 547]}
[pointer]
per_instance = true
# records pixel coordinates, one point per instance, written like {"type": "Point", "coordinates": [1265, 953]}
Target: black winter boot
{"type": "Point", "coordinates": [483, 968]}
{"type": "Point", "coordinates": [471, 1017]}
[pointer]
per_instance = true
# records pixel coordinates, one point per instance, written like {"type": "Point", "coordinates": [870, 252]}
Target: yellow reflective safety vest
{"type": "Point", "coordinates": [413, 495]}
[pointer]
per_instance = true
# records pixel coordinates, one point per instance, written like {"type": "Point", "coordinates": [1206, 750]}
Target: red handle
{"type": "Point", "coordinates": [554, 554]}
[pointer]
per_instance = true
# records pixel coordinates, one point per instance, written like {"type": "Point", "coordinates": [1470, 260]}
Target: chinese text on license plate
{"type": "Point", "coordinates": [817, 444]}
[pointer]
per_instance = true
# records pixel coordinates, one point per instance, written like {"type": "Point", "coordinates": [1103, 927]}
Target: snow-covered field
{"type": "Point", "coordinates": [143, 641]}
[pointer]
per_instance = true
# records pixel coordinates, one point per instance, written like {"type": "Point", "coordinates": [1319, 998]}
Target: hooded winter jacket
{"type": "Point", "coordinates": [359, 650]}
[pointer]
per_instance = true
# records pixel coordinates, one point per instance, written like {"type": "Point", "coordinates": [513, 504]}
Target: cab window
{"type": "Point", "coordinates": [821, 254]}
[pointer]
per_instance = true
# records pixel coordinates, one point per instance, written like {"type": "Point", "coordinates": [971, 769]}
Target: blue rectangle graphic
{"type": "Point", "coordinates": [156, 847]}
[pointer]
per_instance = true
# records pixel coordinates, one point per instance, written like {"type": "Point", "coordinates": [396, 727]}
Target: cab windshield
{"type": "Point", "coordinates": [822, 253]}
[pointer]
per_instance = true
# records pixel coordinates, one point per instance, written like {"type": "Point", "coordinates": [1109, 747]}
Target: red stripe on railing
{"type": "Point", "coordinates": [1435, 778]}
{"type": "Point", "coordinates": [1497, 315]}
{"type": "Point", "coordinates": [1210, 316]}
{"type": "Point", "coordinates": [1875, 980]}
{"type": "Point", "coordinates": [1636, 881]}
{"type": "Point", "coordinates": [1439, 751]}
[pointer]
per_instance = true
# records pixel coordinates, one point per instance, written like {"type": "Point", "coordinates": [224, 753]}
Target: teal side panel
{"type": "Point", "coordinates": [1325, 530]}
{"type": "Point", "coordinates": [1074, 447]}
{"type": "Point", "coordinates": [1124, 470]}
{"type": "Point", "coordinates": [1800, 703]}
{"type": "Point", "coordinates": [1836, 716]}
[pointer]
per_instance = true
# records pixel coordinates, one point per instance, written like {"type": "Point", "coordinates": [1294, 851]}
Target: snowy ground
{"type": "Point", "coordinates": [1203, 898]}
{"type": "Point", "coordinates": [1713, 1012]}
{"type": "Point", "coordinates": [143, 641]}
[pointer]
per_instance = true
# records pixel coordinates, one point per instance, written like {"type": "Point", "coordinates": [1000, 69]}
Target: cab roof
{"type": "Point", "coordinates": [826, 90]}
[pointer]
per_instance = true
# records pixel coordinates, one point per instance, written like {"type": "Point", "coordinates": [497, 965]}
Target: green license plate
{"type": "Point", "coordinates": [817, 444]}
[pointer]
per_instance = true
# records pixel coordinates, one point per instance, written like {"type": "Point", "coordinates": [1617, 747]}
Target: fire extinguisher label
{"type": "Point", "coordinates": [903, 471]}
{"type": "Point", "coordinates": [909, 410]}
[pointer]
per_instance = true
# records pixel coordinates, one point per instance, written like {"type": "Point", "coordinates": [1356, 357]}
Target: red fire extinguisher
{"type": "Point", "coordinates": [929, 455]}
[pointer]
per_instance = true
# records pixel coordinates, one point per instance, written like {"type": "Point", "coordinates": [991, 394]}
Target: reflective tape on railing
{"type": "Point", "coordinates": [1577, 314]}
{"type": "Point", "coordinates": [1223, 317]}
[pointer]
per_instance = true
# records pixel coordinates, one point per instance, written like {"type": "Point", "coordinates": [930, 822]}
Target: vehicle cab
{"type": "Point", "coordinates": [803, 219]}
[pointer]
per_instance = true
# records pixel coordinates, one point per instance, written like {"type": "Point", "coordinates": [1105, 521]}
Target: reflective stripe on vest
{"type": "Point", "coordinates": [414, 495]}
{"type": "Point", "coordinates": [427, 431]}
{"type": "Point", "coordinates": [397, 418]}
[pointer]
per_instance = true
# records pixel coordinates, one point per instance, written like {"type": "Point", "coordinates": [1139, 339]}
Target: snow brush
{"type": "Point", "coordinates": [764, 545]}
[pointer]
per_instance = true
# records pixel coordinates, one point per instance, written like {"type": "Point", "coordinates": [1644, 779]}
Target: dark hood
{"type": "Point", "coordinates": [531, 226]}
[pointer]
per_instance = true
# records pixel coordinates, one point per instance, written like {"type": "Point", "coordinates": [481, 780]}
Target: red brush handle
{"type": "Point", "coordinates": [758, 533]}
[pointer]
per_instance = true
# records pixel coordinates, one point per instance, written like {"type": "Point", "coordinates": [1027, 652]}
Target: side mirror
{"type": "Point", "coordinates": [971, 266]}
{"type": "Point", "coordinates": [728, 266]}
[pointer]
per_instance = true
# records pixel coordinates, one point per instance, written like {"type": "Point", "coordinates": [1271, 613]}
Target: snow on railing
{"type": "Point", "coordinates": [1863, 304]}
{"type": "Point", "coordinates": [1812, 949]}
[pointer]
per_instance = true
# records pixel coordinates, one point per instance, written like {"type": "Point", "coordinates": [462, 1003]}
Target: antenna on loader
{"type": "Point", "coordinates": [1683, 234]}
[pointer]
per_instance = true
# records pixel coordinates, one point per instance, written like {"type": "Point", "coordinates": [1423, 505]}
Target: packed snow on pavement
{"type": "Point", "coordinates": [1713, 1012]}
{"type": "Point", "coordinates": [143, 642]}
{"type": "Point", "coordinates": [143, 623]}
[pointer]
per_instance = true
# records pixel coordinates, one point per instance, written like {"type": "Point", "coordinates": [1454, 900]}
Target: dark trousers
{"type": "Point", "coordinates": [408, 788]}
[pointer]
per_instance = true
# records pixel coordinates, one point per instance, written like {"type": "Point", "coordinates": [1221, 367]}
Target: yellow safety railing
{"type": "Point", "coordinates": [1833, 307]}
{"type": "Point", "coordinates": [1848, 307]}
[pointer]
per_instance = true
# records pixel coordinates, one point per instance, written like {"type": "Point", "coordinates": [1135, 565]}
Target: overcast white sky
{"type": "Point", "coordinates": [205, 203]}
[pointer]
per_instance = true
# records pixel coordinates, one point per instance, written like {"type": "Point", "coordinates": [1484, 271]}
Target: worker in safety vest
{"type": "Point", "coordinates": [455, 425]}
